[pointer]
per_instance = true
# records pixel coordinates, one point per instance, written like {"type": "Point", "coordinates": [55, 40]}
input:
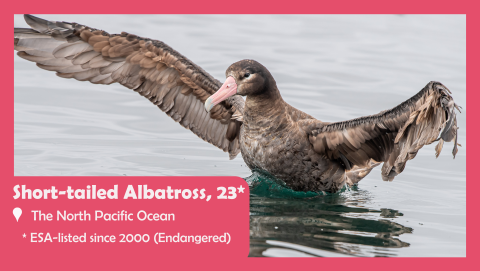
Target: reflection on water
{"type": "Point", "coordinates": [318, 224]}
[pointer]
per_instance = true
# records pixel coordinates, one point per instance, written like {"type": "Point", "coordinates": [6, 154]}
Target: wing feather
{"type": "Point", "coordinates": [392, 136]}
{"type": "Point", "coordinates": [153, 69]}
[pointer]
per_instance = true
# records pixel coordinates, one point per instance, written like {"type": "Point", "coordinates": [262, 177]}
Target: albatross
{"type": "Point", "coordinates": [305, 153]}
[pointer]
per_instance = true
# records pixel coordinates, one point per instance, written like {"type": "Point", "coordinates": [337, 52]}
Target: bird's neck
{"type": "Point", "coordinates": [263, 107]}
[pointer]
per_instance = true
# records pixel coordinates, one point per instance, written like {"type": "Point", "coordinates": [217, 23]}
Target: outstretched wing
{"type": "Point", "coordinates": [393, 136]}
{"type": "Point", "coordinates": [153, 69]}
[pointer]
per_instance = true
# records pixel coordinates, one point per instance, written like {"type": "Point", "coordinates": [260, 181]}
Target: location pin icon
{"type": "Point", "coordinates": [17, 212]}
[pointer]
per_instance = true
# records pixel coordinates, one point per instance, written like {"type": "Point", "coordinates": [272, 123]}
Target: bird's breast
{"type": "Point", "coordinates": [271, 147]}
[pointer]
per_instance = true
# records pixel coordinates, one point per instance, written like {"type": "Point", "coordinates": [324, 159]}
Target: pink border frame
{"type": "Point", "coordinates": [470, 8]}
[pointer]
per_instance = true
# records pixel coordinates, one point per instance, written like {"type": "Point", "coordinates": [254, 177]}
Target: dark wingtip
{"type": "Point", "coordinates": [31, 17]}
{"type": "Point", "coordinates": [36, 23]}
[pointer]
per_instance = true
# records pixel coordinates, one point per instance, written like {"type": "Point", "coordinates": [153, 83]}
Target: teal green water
{"type": "Point", "coordinates": [265, 185]}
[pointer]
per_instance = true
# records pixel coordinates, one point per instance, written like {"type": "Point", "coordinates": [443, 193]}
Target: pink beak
{"type": "Point", "coordinates": [228, 89]}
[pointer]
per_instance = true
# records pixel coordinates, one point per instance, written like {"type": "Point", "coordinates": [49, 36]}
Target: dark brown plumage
{"type": "Point", "coordinates": [306, 153]}
{"type": "Point", "coordinates": [151, 68]}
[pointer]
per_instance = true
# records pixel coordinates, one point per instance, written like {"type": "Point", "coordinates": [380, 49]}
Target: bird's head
{"type": "Point", "coordinates": [245, 77]}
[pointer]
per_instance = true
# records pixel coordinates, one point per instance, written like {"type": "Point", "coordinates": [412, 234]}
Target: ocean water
{"type": "Point", "coordinates": [334, 67]}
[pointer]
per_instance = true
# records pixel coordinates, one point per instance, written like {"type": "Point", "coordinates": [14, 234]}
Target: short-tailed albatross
{"type": "Point", "coordinates": [306, 153]}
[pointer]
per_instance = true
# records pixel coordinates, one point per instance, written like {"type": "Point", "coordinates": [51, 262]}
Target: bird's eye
{"type": "Point", "coordinates": [246, 75]}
